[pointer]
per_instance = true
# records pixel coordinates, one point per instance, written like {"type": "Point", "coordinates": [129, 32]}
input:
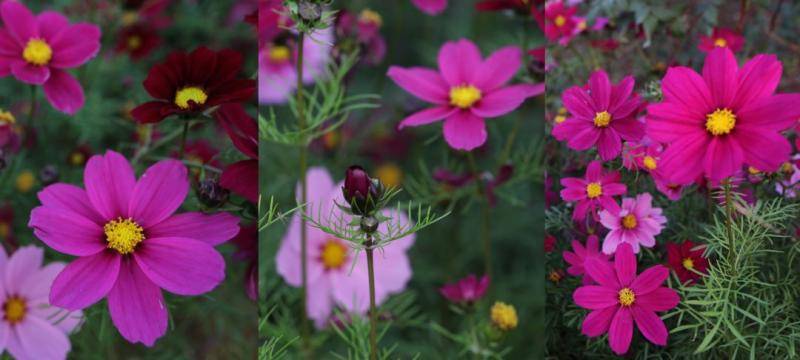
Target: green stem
{"type": "Point", "coordinates": [301, 119]}
{"type": "Point", "coordinates": [485, 240]}
{"type": "Point", "coordinates": [373, 312]}
{"type": "Point", "coordinates": [729, 222]}
{"type": "Point", "coordinates": [184, 133]}
{"type": "Point", "coordinates": [32, 106]}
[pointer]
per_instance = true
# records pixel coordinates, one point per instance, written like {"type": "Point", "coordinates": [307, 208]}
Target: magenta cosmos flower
{"type": "Point", "coordinates": [129, 243]}
{"type": "Point", "coordinates": [622, 298]}
{"type": "Point", "coordinates": [30, 327]}
{"type": "Point", "coordinates": [465, 90]}
{"type": "Point", "coordinates": [468, 290]}
{"type": "Point", "coordinates": [430, 7]}
{"type": "Point", "coordinates": [337, 274]}
{"type": "Point", "coordinates": [595, 191]}
{"type": "Point", "coordinates": [579, 255]}
{"type": "Point", "coordinates": [729, 117]}
{"type": "Point", "coordinates": [602, 115]}
{"type": "Point", "coordinates": [38, 49]}
{"type": "Point", "coordinates": [721, 37]}
{"type": "Point", "coordinates": [636, 223]}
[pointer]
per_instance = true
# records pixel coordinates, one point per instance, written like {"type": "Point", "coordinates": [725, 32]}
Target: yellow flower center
{"type": "Point", "coordinates": [371, 17]}
{"type": "Point", "coordinates": [25, 181]}
{"type": "Point", "coordinates": [129, 18]}
{"type": "Point", "coordinates": [14, 309]}
{"type": "Point", "coordinates": [720, 42]}
{"type": "Point", "coordinates": [5, 230]}
{"type": "Point", "coordinates": [629, 221]}
{"type": "Point", "coordinates": [582, 25]}
{"type": "Point", "coordinates": [279, 54]}
{"type": "Point", "coordinates": [688, 263]}
{"type": "Point", "coordinates": [504, 316]}
{"type": "Point", "coordinates": [649, 163]}
{"type": "Point", "coordinates": [753, 171]}
{"type": "Point", "coordinates": [77, 158]}
{"type": "Point", "coordinates": [594, 190]}
{"type": "Point", "coordinates": [7, 118]}
{"type": "Point", "coordinates": [554, 276]}
{"type": "Point", "coordinates": [464, 96]}
{"type": "Point", "coordinates": [390, 174]}
{"type": "Point", "coordinates": [602, 119]}
{"type": "Point", "coordinates": [560, 20]}
{"type": "Point", "coordinates": [720, 122]}
{"type": "Point", "coordinates": [560, 119]}
{"type": "Point", "coordinates": [562, 111]}
{"type": "Point", "coordinates": [134, 42]}
{"type": "Point", "coordinates": [787, 168]}
{"type": "Point", "coordinates": [37, 52]}
{"type": "Point", "coordinates": [626, 297]}
{"type": "Point", "coordinates": [123, 235]}
{"type": "Point", "coordinates": [190, 93]}
{"type": "Point", "coordinates": [334, 254]}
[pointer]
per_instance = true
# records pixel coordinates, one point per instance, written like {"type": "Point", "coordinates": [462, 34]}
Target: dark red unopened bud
{"type": "Point", "coordinates": [360, 191]}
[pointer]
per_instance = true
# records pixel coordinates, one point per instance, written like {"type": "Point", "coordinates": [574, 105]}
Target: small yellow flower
{"type": "Point", "coordinates": [504, 316]}
{"type": "Point", "coordinates": [25, 181]}
{"type": "Point", "coordinates": [390, 174]}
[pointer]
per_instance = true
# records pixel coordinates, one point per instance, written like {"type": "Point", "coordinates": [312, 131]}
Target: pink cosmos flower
{"type": "Point", "coordinates": [129, 243]}
{"type": "Point", "coordinates": [333, 278]}
{"type": "Point", "coordinates": [579, 255]}
{"type": "Point", "coordinates": [671, 190]}
{"type": "Point", "coordinates": [622, 298]}
{"type": "Point", "coordinates": [465, 90]}
{"type": "Point", "coordinates": [603, 116]}
{"type": "Point", "coordinates": [721, 37]}
{"type": "Point", "coordinates": [561, 24]}
{"type": "Point", "coordinates": [38, 49]}
{"type": "Point", "coordinates": [469, 289]}
{"type": "Point", "coordinates": [715, 123]}
{"type": "Point", "coordinates": [595, 191]}
{"type": "Point", "coordinates": [636, 223]}
{"type": "Point", "coordinates": [430, 7]}
{"type": "Point", "coordinates": [31, 328]}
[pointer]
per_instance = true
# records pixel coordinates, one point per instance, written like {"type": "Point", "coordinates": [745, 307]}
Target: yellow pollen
{"type": "Point", "coordinates": [279, 54]}
{"type": "Point", "coordinates": [37, 52]}
{"type": "Point", "coordinates": [720, 122]}
{"type": "Point", "coordinates": [560, 20]}
{"type": "Point", "coordinates": [464, 96]}
{"type": "Point", "coordinates": [25, 181]}
{"type": "Point", "coordinates": [333, 254]}
{"type": "Point", "coordinates": [134, 42]}
{"type": "Point", "coordinates": [5, 230]}
{"type": "Point", "coordinates": [720, 42]}
{"type": "Point", "coordinates": [787, 168]}
{"type": "Point", "coordinates": [753, 171]}
{"type": "Point", "coordinates": [190, 93]}
{"type": "Point", "coordinates": [582, 25]}
{"type": "Point", "coordinates": [560, 119]}
{"type": "Point", "coordinates": [554, 276]}
{"type": "Point", "coordinates": [626, 297]}
{"type": "Point", "coordinates": [371, 17]}
{"type": "Point", "coordinates": [594, 190]}
{"type": "Point", "coordinates": [129, 18]}
{"type": "Point", "coordinates": [77, 158]}
{"type": "Point", "coordinates": [562, 111]}
{"type": "Point", "coordinates": [602, 119]}
{"type": "Point", "coordinates": [390, 174]}
{"type": "Point", "coordinates": [14, 309]}
{"type": "Point", "coordinates": [7, 118]}
{"type": "Point", "coordinates": [629, 221]}
{"type": "Point", "coordinates": [504, 316]}
{"type": "Point", "coordinates": [650, 163]}
{"type": "Point", "coordinates": [688, 263]}
{"type": "Point", "coordinates": [123, 235]}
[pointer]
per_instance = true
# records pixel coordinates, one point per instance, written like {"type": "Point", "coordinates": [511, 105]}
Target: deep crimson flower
{"type": "Point", "coordinates": [721, 37]}
{"type": "Point", "coordinates": [188, 84]}
{"type": "Point", "coordinates": [137, 40]}
{"type": "Point", "coordinates": [686, 257]}
{"type": "Point", "coordinates": [520, 6]}
{"type": "Point", "coordinates": [549, 243]}
{"type": "Point", "coordinates": [240, 177]}
{"type": "Point", "coordinates": [468, 289]}
{"type": "Point", "coordinates": [247, 250]}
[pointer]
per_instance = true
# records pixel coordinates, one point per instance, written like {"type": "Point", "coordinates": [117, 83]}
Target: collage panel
{"type": "Point", "coordinates": [401, 179]}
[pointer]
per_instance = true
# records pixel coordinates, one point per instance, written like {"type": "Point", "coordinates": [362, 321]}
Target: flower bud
{"type": "Point", "coordinates": [211, 194]}
{"type": "Point", "coordinates": [369, 224]}
{"type": "Point", "coordinates": [360, 191]}
{"type": "Point", "coordinates": [48, 175]}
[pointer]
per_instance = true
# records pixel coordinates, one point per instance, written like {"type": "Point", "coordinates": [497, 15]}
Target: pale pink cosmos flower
{"type": "Point", "coordinates": [30, 327]}
{"type": "Point", "coordinates": [465, 90]}
{"type": "Point", "coordinates": [623, 298]}
{"type": "Point", "coordinates": [595, 191]}
{"type": "Point", "coordinates": [277, 66]}
{"type": "Point", "coordinates": [636, 223]}
{"type": "Point", "coordinates": [602, 115]}
{"type": "Point", "coordinates": [580, 254]}
{"type": "Point", "coordinates": [715, 123]}
{"type": "Point", "coordinates": [333, 278]}
{"type": "Point", "coordinates": [430, 7]}
{"type": "Point", "coordinates": [37, 50]}
{"type": "Point", "coordinates": [130, 243]}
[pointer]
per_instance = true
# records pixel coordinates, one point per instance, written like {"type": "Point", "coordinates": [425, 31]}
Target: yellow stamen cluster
{"type": "Point", "coordinates": [389, 174]}
{"type": "Point", "coordinates": [333, 255]}
{"type": "Point", "coordinates": [37, 52]}
{"type": "Point", "coordinates": [279, 54]}
{"type": "Point", "coordinates": [720, 42]}
{"type": "Point", "coordinates": [602, 119]}
{"type": "Point", "coordinates": [629, 221]}
{"type": "Point", "coordinates": [649, 163]}
{"type": "Point", "coordinates": [720, 122]}
{"type": "Point", "coordinates": [504, 316]}
{"type": "Point", "coordinates": [370, 17]}
{"type": "Point", "coordinates": [626, 297]}
{"type": "Point", "coordinates": [688, 263]}
{"type": "Point", "coordinates": [594, 190]}
{"type": "Point", "coordinates": [190, 93]}
{"type": "Point", "coordinates": [134, 42]}
{"type": "Point", "coordinates": [25, 181]}
{"type": "Point", "coordinates": [7, 118]}
{"type": "Point", "coordinates": [14, 309]}
{"type": "Point", "coordinates": [123, 235]}
{"type": "Point", "coordinates": [560, 20]}
{"type": "Point", "coordinates": [464, 96]}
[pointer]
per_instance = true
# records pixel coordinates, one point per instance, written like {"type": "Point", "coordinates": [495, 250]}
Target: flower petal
{"type": "Point", "coordinates": [598, 321]}
{"type": "Point", "coordinates": [625, 264]}
{"type": "Point", "coordinates": [18, 20]}
{"type": "Point", "coordinates": [75, 46]}
{"type": "Point", "coordinates": [159, 192]}
{"type": "Point", "coordinates": [776, 113]}
{"type": "Point", "coordinates": [719, 72]}
{"type": "Point", "coordinates": [650, 325]}
{"type": "Point", "coordinates": [85, 281]}
{"type": "Point", "coordinates": [649, 280]}
{"type": "Point", "coordinates": [684, 86]}
{"type": "Point", "coordinates": [211, 229]}
{"type": "Point", "coordinates": [764, 150]}
{"type": "Point", "coordinates": [23, 264]}
{"type": "Point", "coordinates": [109, 181]}
{"type": "Point", "coordinates": [64, 92]}
{"type": "Point", "coordinates": [600, 90]}
{"type": "Point", "coordinates": [758, 78]}
{"type": "Point", "coordinates": [464, 131]}
{"type": "Point", "coordinates": [423, 83]}
{"type": "Point", "coordinates": [137, 306]}
{"type": "Point", "coordinates": [595, 297]}
{"type": "Point", "coordinates": [180, 265]}
{"type": "Point", "coordinates": [620, 332]}
{"type": "Point", "coordinates": [67, 232]}
{"type": "Point", "coordinates": [241, 177]}
{"type": "Point", "coordinates": [682, 161]}
{"type": "Point", "coordinates": [427, 116]}
{"type": "Point", "coordinates": [660, 299]}
{"type": "Point", "coordinates": [723, 158]}
{"type": "Point", "coordinates": [35, 338]}
{"type": "Point", "coordinates": [602, 271]}
{"type": "Point", "coordinates": [29, 73]}
{"type": "Point", "coordinates": [50, 24]}
{"type": "Point", "coordinates": [498, 68]}
{"type": "Point", "coordinates": [458, 61]}
{"type": "Point", "coordinates": [501, 102]}
{"type": "Point", "coordinates": [69, 198]}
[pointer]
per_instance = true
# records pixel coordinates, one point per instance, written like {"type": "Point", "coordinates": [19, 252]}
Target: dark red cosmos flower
{"type": "Point", "coordinates": [468, 289]}
{"type": "Point", "coordinates": [240, 177]}
{"type": "Point", "coordinates": [520, 6]}
{"type": "Point", "coordinates": [137, 40]}
{"type": "Point", "coordinates": [200, 152]}
{"type": "Point", "coordinates": [192, 83]}
{"type": "Point", "coordinates": [247, 251]}
{"type": "Point", "coordinates": [683, 258]}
